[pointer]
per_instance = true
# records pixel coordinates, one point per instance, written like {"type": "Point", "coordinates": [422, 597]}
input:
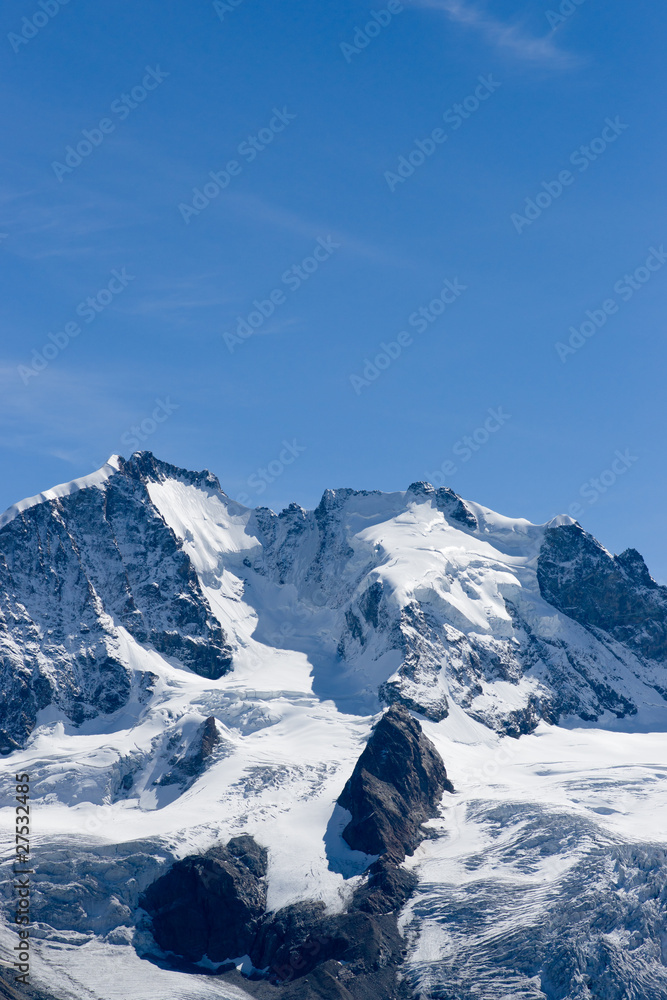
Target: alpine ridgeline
{"type": "Point", "coordinates": [190, 685]}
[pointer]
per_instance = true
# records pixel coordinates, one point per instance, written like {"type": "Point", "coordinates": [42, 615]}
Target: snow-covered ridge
{"type": "Point", "coordinates": [416, 596]}
{"type": "Point", "coordinates": [180, 670]}
{"type": "Point", "coordinates": [97, 478]}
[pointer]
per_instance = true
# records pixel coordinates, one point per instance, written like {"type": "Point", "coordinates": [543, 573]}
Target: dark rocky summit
{"type": "Point", "coordinates": [446, 501]}
{"type": "Point", "coordinates": [396, 785]}
{"type": "Point", "coordinates": [614, 593]}
{"type": "Point", "coordinates": [210, 905]}
{"type": "Point", "coordinates": [74, 568]}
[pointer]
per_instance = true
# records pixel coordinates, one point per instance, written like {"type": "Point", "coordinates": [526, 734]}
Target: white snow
{"type": "Point", "coordinates": [97, 478]}
{"type": "Point", "coordinates": [287, 752]}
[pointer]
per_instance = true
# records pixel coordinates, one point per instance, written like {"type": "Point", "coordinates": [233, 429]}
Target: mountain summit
{"type": "Point", "coordinates": [417, 597]}
{"type": "Point", "coordinates": [192, 685]}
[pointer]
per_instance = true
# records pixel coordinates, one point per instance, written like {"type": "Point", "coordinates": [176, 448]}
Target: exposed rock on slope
{"type": "Point", "coordinates": [73, 569]}
{"type": "Point", "coordinates": [210, 905]}
{"type": "Point", "coordinates": [417, 598]}
{"type": "Point", "coordinates": [191, 762]}
{"type": "Point", "coordinates": [614, 593]}
{"type": "Point", "coordinates": [302, 938]}
{"type": "Point", "coordinates": [395, 787]}
{"type": "Point", "coordinates": [213, 906]}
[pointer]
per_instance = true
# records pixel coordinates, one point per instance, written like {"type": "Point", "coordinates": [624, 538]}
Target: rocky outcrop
{"type": "Point", "coordinates": [210, 905]}
{"type": "Point", "coordinates": [11, 990]}
{"type": "Point", "coordinates": [397, 784]}
{"type": "Point", "coordinates": [387, 888]}
{"type": "Point", "coordinates": [213, 905]}
{"type": "Point", "coordinates": [300, 938]}
{"type": "Point", "coordinates": [191, 761]}
{"type": "Point", "coordinates": [73, 569]}
{"type": "Point", "coordinates": [395, 787]}
{"type": "Point", "coordinates": [614, 593]}
{"type": "Point", "coordinates": [447, 501]}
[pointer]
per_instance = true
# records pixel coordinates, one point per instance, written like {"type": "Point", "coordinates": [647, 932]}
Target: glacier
{"type": "Point", "coordinates": [179, 670]}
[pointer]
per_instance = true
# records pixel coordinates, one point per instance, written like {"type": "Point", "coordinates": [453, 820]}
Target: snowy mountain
{"type": "Point", "coordinates": [190, 685]}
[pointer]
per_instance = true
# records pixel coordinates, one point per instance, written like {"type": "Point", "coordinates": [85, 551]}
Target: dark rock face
{"type": "Point", "coordinates": [386, 890]}
{"type": "Point", "coordinates": [422, 644]}
{"type": "Point", "coordinates": [396, 785]}
{"type": "Point", "coordinates": [214, 905]}
{"type": "Point", "coordinates": [73, 568]}
{"type": "Point", "coordinates": [191, 762]}
{"type": "Point", "coordinates": [300, 938]}
{"type": "Point", "coordinates": [447, 501]}
{"type": "Point", "coordinates": [614, 593]}
{"type": "Point", "coordinates": [211, 904]}
{"type": "Point", "coordinates": [452, 506]}
{"type": "Point", "coordinates": [145, 466]}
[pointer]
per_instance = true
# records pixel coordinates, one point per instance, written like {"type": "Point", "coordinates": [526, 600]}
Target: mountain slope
{"type": "Point", "coordinates": [181, 671]}
{"type": "Point", "coordinates": [417, 597]}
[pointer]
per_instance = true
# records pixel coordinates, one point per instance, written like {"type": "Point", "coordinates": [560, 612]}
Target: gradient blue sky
{"type": "Point", "coordinates": [324, 176]}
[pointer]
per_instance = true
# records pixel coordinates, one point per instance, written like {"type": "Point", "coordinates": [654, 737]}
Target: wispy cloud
{"type": "Point", "coordinates": [512, 38]}
{"type": "Point", "coordinates": [264, 213]}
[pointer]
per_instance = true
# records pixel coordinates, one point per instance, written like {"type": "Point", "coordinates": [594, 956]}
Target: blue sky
{"type": "Point", "coordinates": [350, 188]}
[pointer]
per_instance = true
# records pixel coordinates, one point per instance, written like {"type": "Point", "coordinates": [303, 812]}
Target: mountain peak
{"type": "Point", "coordinates": [97, 478]}
{"type": "Point", "coordinates": [145, 466]}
